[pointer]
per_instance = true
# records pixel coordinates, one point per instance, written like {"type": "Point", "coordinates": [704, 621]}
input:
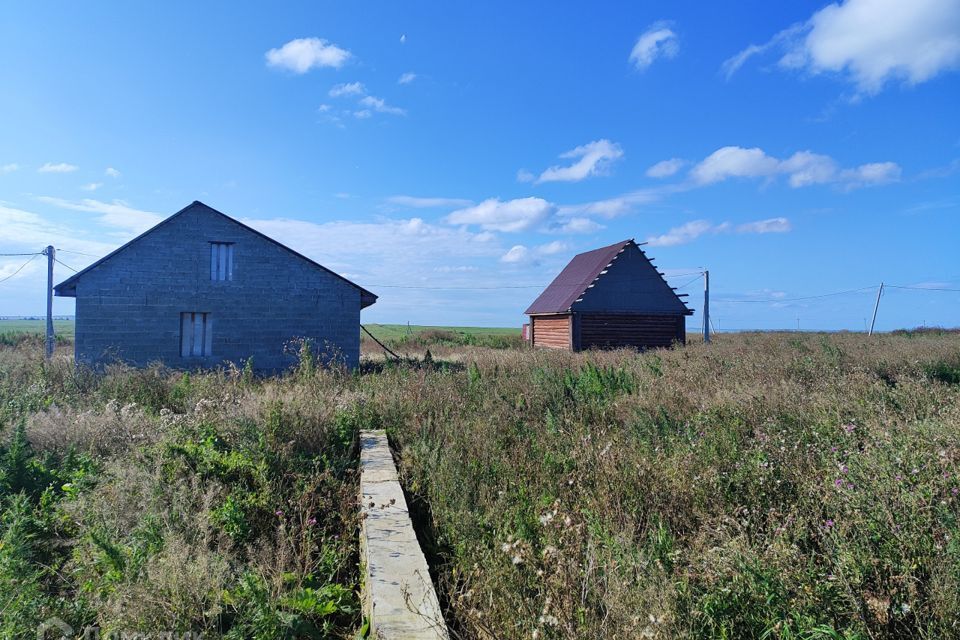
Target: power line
{"type": "Point", "coordinates": [402, 286]}
{"type": "Point", "coordinates": [10, 255]}
{"type": "Point", "coordinates": [57, 260]}
{"type": "Point", "coordinates": [897, 286]}
{"type": "Point", "coordinates": [824, 295]}
{"type": "Point", "coordinates": [684, 286]}
{"type": "Point", "coordinates": [79, 253]}
{"type": "Point", "coordinates": [21, 267]}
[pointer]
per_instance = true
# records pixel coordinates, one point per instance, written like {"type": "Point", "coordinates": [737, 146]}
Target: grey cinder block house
{"type": "Point", "coordinates": [609, 298]}
{"type": "Point", "coordinates": [200, 289]}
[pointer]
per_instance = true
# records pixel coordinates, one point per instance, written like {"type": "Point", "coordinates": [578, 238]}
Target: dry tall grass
{"type": "Point", "coordinates": [774, 485]}
{"type": "Point", "coordinates": [764, 486]}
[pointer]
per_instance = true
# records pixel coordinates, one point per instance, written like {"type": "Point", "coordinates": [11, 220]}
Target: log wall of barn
{"type": "Point", "coordinates": [551, 331]}
{"type": "Point", "coordinates": [641, 331]}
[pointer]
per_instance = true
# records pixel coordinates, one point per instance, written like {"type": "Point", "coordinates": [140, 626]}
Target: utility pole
{"type": "Point", "coordinates": [51, 253]}
{"type": "Point", "coordinates": [706, 306]}
{"type": "Point", "coordinates": [875, 307]}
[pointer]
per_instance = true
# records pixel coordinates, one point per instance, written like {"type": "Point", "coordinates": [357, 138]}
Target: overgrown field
{"type": "Point", "coordinates": [764, 486]}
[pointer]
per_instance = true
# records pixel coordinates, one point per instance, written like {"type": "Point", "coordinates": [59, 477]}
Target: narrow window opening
{"type": "Point", "coordinates": [196, 334]}
{"type": "Point", "coordinates": [221, 261]}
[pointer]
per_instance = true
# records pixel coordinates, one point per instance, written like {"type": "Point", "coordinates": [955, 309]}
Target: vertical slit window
{"type": "Point", "coordinates": [221, 261]}
{"type": "Point", "coordinates": [196, 334]}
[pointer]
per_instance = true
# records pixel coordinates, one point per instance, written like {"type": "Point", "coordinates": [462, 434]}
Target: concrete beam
{"type": "Point", "coordinates": [399, 598]}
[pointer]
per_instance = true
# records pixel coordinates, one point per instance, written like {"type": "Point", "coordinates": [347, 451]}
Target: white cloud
{"type": "Point", "coordinates": [594, 158]}
{"type": "Point", "coordinates": [657, 41]}
{"type": "Point", "coordinates": [806, 168]}
{"type": "Point", "coordinates": [665, 168]}
{"type": "Point", "coordinates": [690, 231]}
{"type": "Point", "coordinates": [521, 214]}
{"type": "Point", "coordinates": [771, 225]}
{"type": "Point", "coordinates": [580, 225]}
{"type": "Point", "coordinates": [28, 230]}
{"type": "Point", "coordinates": [116, 214]}
{"type": "Point", "coordinates": [871, 42]}
{"type": "Point", "coordinates": [522, 254]}
{"type": "Point", "coordinates": [113, 173]}
{"type": "Point", "coordinates": [517, 253]}
{"type": "Point", "coordinates": [463, 268]}
{"type": "Point", "coordinates": [324, 108]}
{"type": "Point", "coordinates": [380, 106]}
{"type": "Point", "coordinates": [731, 65]}
{"type": "Point", "coordinates": [9, 168]}
{"type": "Point", "coordinates": [347, 89]}
{"type": "Point", "coordinates": [428, 203]}
{"type": "Point", "coordinates": [356, 249]}
{"type": "Point", "coordinates": [873, 173]}
{"type": "Point", "coordinates": [362, 114]}
{"type": "Point", "coordinates": [803, 168]}
{"type": "Point", "coordinates": [92, 186]}
{"type": "Point", "coordinates": [552, 248]}
{"type": "Point", "coordinates": [619, 205]}
{"type": "Point", "coordinates": [525, 176]}
{"type": "Point", "coordinates": [303, 54]}
{"type": "Point", "coordinates": [681, 235]}
{"type": "Point", "coordinates": [407, 78]}
{"type": "Point", "coordinates": [734, 162]}
{"type": "Point", "coordinates": [403, 39]}
{"type": "Point", "coordinates": [60, 167]}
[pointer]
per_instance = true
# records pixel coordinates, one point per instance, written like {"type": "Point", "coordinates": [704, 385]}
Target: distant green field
{"type": "Point", "coordinates": [391, 332]}
{"type": "Point", "coordinates": [399, 331]}
{"type": "Point", "coordinates": [63, 328]}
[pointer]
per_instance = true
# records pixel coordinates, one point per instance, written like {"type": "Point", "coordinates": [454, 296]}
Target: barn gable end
{"type": "Point", "coordinates": [630, 284]}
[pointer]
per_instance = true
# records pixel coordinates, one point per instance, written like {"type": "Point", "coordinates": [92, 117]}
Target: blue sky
{"type": "Point", "coordinates": [794, 149]}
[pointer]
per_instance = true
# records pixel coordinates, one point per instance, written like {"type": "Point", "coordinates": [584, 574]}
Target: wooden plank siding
{"type": "Point", "coordinates": [552, 331]}
{"type": "Point", "coordinates": [640, 331]}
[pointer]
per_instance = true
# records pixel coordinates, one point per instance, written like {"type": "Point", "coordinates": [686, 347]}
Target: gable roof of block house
{"type": "Point", "coordinates": [68, 287]}
{"type": "Point", "coordinates": [582, 273]}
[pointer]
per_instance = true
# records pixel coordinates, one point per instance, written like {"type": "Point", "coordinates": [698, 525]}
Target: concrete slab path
{"type": "Point", "coordinates": [399, 597]}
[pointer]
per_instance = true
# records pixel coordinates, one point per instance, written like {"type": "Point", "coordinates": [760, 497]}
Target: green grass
{"type": "Point", "coordinates": [62, 328]}
{"type": "Point", "coordinates": [393, 332]}
{"type": "Point", "coordinates": [384, 332]}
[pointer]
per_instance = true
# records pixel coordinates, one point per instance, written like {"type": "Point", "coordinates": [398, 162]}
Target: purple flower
{"type": "Point", "coordinates": [828, 524]}
{"type": "Point", "coordinates": [312, 521]}
{"type": "Point", "coordinates": [849, 427]}
{"type": "Point", "coordinates": [279, 513]}
{"type": "Point", "coordinates": [838, 482]}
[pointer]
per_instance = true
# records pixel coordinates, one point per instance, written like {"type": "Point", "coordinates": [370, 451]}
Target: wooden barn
{"type": "Point", "coordinates": [608, 298]}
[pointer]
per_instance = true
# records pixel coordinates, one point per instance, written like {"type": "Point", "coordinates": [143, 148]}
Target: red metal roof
{"type": "Point", "coordinates": [574, 279]}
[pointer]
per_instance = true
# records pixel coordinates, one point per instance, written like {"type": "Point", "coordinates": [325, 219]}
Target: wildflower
{"type": "Point", "coordinates": [849, 427]}
{"type": "Point", "coordinates": [311, 522]}
{"type": "Point", "coordinates": [547, 517]}
{"type": "Point", "coordinates": [517, 559]}
{"type": "Point", "coordinates": [838, 482]}
{"type": "Point", "coordinates": [828, 525]}
{"type": "Point", "coordinates": [549, 620]}
{"type": "Point", "coordinates": [279, 513]}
